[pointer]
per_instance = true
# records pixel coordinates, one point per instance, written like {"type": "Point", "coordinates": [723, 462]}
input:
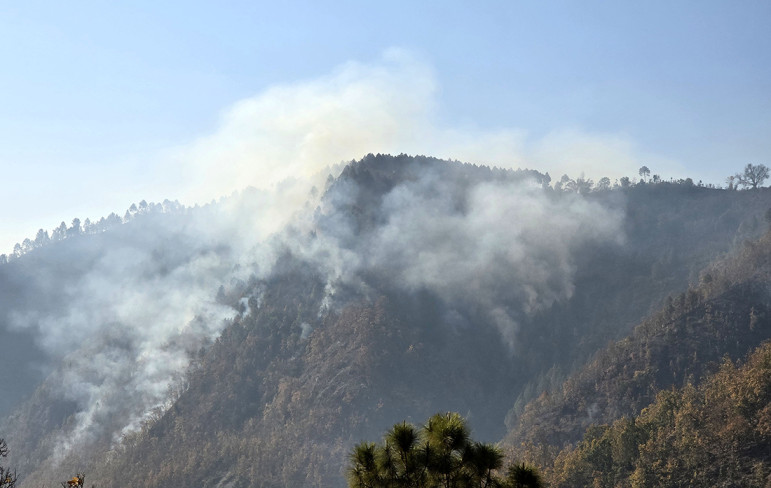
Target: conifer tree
{"type": "Point", "coordinates": [439, 455]}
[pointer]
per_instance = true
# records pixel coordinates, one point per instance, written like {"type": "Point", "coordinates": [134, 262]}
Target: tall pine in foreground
{"type": "Point", "coordinates": [441, 454]}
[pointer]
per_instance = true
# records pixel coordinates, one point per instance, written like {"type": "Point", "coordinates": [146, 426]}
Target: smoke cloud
{"type": "Point", "coordinates": [124, 317]}
{"type": "Point", "coordinates": [287, 136]}
{"type": "Point", "coordinates": [502, 244]}
{"type": "Point", "coordinates": [128, 312]}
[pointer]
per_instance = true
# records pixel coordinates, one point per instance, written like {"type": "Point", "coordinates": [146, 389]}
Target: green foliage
{"type": "Point", "coordinates": [267, 406]}
{"type": "Point", "coordinates": [440, 454]}
{"type": "Point", "coordinates": [717, 434]}
{"type": "Point", "coordinates": [522, 475]}
{"type": "Point", "coordinates": [726, 313]}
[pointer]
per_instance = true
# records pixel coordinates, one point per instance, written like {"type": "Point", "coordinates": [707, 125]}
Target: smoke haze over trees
{"type": "Point", "coordinates": [401, 287]}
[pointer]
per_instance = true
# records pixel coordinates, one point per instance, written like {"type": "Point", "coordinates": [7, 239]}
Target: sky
{"type": "Point", "coordinates": [104, 104]}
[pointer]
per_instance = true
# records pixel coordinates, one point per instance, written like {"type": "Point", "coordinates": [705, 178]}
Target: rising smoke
{"type": "Point", "coordinates": [476, 240]}
{"type": "Point", "coordinates": [141, 300]}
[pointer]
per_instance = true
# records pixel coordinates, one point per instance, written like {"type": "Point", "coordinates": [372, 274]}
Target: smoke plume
{"type": "Point", "coordinates": [125, 310]}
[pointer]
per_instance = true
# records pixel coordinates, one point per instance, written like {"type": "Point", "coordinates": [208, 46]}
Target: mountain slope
{"type": "Point", "coordinates": [412, 286]}
{"type": "Point", "coordinates": [718, 434]}
{"type": "Point", "coordinates": [727, 314]}
{"type": "Point", "coordinates": [264, 398]}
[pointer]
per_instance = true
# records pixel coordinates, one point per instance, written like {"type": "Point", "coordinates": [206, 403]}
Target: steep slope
{"type": "Point", "coordinates": [274, 403]}
{"type": "Point", "coordinates": [718, 435]}
{"type": "Point", "coordinates": [67, 293]}
{"type": "Point", "coordinates": [416, 286]}
{"type": "Point", "coordinates": [727, 313]}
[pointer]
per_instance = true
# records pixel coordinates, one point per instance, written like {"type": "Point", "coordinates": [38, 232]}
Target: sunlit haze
{"type": "Point", "coordinates": [104, 105]}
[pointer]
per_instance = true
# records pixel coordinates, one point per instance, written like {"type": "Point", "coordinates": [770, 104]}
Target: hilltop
{"type": "Point", "coordinates": [406, 286]}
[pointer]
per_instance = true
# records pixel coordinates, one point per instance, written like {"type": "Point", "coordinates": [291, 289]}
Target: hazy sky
{"type": "Point", "coordinates": [104, 104]}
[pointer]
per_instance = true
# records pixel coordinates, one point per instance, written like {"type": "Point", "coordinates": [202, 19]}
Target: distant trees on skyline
{"type": "Point", "coordinates": [76, 228]}
{"type": "Point", "coordinates": [752, 177]}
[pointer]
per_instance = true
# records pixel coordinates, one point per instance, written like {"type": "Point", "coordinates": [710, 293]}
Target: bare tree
{"type": "Point", "coordinates": [753, 176]}
{"type": "Point", "coordinates": [7, 477]}
{"type": "Point", "coordinates": [732, 182]}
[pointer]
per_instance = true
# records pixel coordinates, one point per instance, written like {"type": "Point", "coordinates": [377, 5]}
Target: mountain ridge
{"type": "Point", "coordinates": [405, 292]}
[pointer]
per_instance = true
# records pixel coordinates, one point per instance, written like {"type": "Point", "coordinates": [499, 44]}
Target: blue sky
{"type": "Point", "coordinates": [104, 104]}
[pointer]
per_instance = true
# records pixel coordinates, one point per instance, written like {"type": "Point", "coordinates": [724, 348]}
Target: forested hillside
{"type": "Point", "coordinates": [717, 434]}
{"type": "Point", "coordinates": [407, 286]}
{"type": "Point", "coordinates": [44, 280]}
{"type": "Point", "coordinates": [723, 316]}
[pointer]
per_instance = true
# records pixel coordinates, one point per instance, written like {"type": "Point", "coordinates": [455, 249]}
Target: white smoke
{"type": "Point", "coordinates": [286, 137]}
{"type": "Point", "coordinates": [128, 321]}
{"type": "Point", "coordinates": [505, 245]}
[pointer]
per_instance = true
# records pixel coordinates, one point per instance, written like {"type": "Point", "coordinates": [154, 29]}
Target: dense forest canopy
{"type": "Point", "coordinates": [180, 346]}
{"type": "Point", "coordinates": [714, 434]}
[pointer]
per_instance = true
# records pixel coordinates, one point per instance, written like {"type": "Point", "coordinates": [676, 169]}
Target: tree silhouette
{"type": "Point", "coordinates": [7, 477]}
{"type": "Point", "coordinates": [439, 455]}
{"type": "Point", "coordinates": [603, 184]}
{"type": "Point", "coordinates": [364, 471]}
{"type": "Point", "coordinates": [449, 436]}
{"type": "Point", "coordinates": [483, 460]}
{"type": "Point", "coordinates": [753, 176]}
{"type": "Point", "coordinates": [523, 476]}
